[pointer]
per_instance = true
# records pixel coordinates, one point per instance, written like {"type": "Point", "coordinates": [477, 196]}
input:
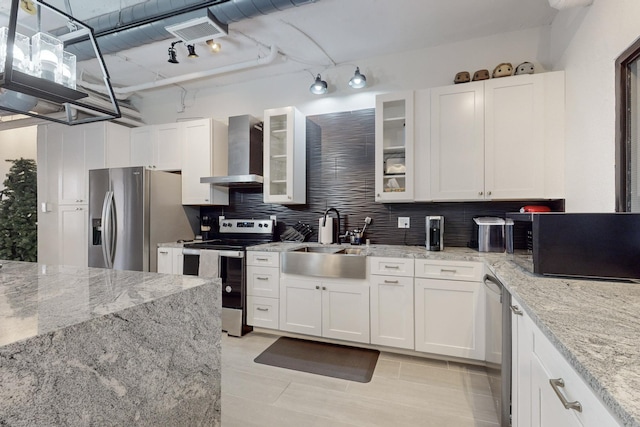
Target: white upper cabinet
{"type": "Point", "coordinates": [157, 147]}
{"type": "Point", "coordinates": [204, 153]}
{"type": "Point", "coordinates": [73, 151]}
{"type": "Point", "coordinates": [394, 147]}
{"type": "Point", "coordinates": [285, 156]}
{"type": "Point", "coordinates": [498, 139]}
{"type": "Point", "coordinates": [457, 142]}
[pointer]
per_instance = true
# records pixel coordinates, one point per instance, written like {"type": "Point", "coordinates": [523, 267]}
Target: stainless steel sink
{"type": "Point", "coordinates": [326, 261]}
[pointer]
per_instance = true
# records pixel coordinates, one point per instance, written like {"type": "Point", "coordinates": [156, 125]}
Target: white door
{"type": "Point", "coordinates": [514, 137]}
{"type": "Point", "coordinates": [301, 306]}
{"type": "Point", "coordinates": [457, 142]}
{"type": "Point", "coordinates": [197, 160]}
{"type": "Point", "coordinates": [392, 311]}
{"type": "Point", "coordinates": [73, 235]}
{"type": "Point", "coordinates": [168, 147]}
{"type": "Point", "coordinates": [165, 261]}
{"type": "Point", "coordinates": [142, 141]}
{"type": "Point", "coordinates": [345, 311]}
{"type": "Point", "coordinates": [547, 410]}
{"type": "Point", "coordinates": [450, 318]}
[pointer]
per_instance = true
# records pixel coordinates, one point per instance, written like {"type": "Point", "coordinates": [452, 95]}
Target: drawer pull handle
{"type": "Point", "coordinates": [516, 310]}
{"type": "Point", "coordinates": [262, 309]}
{"type": "Point", "coordinates": [262, 278]}
{"type": "Point", "coordinates": [448, 270]}
{"type": "Point", "coordinates": [262, 259]}
{"type": "Point", "coordinates": [394, 267]}
{"type": "Point", "coordinates": [392, 282]}
{"type": "Point", "coordinates": [555, 385]}
{"type": "Point", "coordinates": [164, 252]}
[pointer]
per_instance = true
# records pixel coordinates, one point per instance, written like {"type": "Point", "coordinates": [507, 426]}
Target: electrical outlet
{"type": "Point", "coordinates": [403, 222]}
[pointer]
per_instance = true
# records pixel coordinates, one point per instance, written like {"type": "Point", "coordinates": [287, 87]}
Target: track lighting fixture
{"type": "Point", "coordinates": [172, 53]}
{"type": "Point", "coordinates": [214, 46]}
{"type": "Point", "coordinates": [358, 81]}
{"type": "Point", "coordinates": [192, 51]}
{"type": "Point", "coordinates": [319, 87]}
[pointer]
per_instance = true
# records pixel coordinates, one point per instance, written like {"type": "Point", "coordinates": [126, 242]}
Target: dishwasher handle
{"type": "Point", "coordinates": [495, 281]}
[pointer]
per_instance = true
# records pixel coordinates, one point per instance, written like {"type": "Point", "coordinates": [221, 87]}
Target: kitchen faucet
{"type": "Point", "coordinates": [336, 232]}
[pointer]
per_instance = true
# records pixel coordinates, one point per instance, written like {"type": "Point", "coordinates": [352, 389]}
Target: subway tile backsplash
{"type": "Point", "coordinates": [340, 174]}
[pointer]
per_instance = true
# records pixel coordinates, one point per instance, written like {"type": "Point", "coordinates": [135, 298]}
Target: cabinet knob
{"type": "Point", "coordinates": [324, 288]}
{"type": "Point", "coordinates": [206, 200]}
{"type": "Point", "coordinates": [488, 193]}
{"type": "Point", "coordinates": [480, 193]}
{"type": "Point", "coordinates": [317, 287]}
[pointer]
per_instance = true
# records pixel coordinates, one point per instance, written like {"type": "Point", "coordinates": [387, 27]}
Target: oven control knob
{"type": "Point", "coordinates": [228, 289]}
{"type": "Point", "coordinates": [260, 225]}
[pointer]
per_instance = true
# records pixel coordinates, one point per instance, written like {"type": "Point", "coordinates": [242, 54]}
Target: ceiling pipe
{"type": "Point", "coordinates": [125, 92]}
{"type": "Point", "coordinates": [567, 4]}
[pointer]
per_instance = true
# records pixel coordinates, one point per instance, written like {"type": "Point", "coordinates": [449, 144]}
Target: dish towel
{"type": "Point", "coordinates": [209, 263]}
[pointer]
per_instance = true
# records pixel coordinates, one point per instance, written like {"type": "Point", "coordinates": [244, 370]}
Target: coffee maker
{"type": "Point", "coordinates": [435, 233]}
{"type": "Point", "coordinates": [206, 227]}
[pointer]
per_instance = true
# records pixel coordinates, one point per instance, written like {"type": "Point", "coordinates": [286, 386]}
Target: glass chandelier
{"type": "Point", "coordinates": [38, 69]}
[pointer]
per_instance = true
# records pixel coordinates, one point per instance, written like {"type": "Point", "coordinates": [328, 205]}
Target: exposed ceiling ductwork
{"type": "Point", "coordinates": [145, 22]}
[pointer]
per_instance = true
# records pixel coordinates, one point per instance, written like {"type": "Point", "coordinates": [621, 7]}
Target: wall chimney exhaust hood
{"type": "Point", "coordinates": [245, 155]}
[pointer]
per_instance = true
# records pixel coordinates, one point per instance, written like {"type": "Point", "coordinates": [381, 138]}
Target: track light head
{"type": "Point", "coordinates": [319, 87]}
{"type": "Point", "coordinates": [172, 53]}
{"type": "Point", "coordinates": [192, 51]}
{"type": "Point", "coordinates": [358, 81]}
{"type": "Point", "coordinates": [214, 45]}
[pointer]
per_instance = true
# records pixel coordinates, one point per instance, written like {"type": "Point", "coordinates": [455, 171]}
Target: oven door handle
{"type": "Point", "coordinates": [226, 254]}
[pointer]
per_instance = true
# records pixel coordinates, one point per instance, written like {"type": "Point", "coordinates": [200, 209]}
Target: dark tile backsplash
{"type": "Point", "coordinates": [340, 174]}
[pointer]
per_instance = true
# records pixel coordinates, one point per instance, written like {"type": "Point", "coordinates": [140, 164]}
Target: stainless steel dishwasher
{"type": "Point", "coordinates": [498, 346]}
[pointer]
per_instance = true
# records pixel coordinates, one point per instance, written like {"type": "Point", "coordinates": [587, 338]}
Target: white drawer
{"type": "Point", "coordinates": [263, 312]}
{"type": "Point", "coordinates": [451, 270]}
{"type": "Point", "coordinates": [391, 266]}
{"type": "Point", "coordinates": [263, 281]}
{"type": "Point", "coordinates": [265, 259]}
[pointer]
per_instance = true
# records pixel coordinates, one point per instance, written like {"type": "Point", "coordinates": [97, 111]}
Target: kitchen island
{"type": "Point", "coordinates": [594, 324]}
{"type": "Point", "coordinates": [88, 346]}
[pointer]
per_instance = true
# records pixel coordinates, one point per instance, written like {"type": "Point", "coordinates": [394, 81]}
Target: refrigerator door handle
{"type": "Point", "coordinates": [107, 230]}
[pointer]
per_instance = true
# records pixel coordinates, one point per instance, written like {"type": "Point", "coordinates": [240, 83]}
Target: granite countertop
{"type": "Point", "coordinates": [595, 324]}
{"type": "Point", "coordinates": [36, 299]}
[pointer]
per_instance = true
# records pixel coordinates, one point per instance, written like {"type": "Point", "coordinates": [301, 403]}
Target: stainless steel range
{"type": "Point", "coordinates": [229, 243]}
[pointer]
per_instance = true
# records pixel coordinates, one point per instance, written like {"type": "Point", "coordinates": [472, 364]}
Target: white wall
{"type": "Point", "coordinates": [586, 43]}
{"type": "Point", "coordinates": [16, 143]}
{"type": "Point", "coordinates": [408, 70]}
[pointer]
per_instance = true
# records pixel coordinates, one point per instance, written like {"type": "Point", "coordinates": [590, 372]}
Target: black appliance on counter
{"type": "Point", "coordinates": [597, 245]}
{"type": "Point", "coordinates": [229, 241]}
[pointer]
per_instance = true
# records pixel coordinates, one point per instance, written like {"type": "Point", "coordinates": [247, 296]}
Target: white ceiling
{"type": "Point", "coordinates": [317, 36]}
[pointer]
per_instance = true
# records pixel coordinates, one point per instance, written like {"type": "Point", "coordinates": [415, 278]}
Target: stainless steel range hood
{"type": "Point", "coordinates": [245, 155]}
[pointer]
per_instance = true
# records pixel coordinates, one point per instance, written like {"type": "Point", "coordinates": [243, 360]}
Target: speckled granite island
{"type": "Point", "coordinates": [95, 347]}
{"type": "Point", "coordinates": [595, 324]}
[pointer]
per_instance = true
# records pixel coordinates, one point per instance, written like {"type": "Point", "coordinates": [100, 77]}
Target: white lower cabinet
{"type": "Point", "coordinates": [391, 302]}
{"type": "Point", "coordinates": [263, 289]}
{"type": "Point", "coordinates": [449, 313]}
{"type": "Point", "coordinates": [331, 308]}
{"type": "Point", "coordinates": [170, 260]}
{"type": "Point", "coordinates": [536, 365]}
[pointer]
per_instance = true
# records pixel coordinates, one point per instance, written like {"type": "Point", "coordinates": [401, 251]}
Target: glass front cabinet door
{"type": "Point", "coordinates": [284, 156]}
{"type": "Point", "coordinates": [394, 147]}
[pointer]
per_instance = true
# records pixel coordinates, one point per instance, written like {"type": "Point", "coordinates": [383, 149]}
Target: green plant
{"type": "Point", "coordinates": [18, 216]}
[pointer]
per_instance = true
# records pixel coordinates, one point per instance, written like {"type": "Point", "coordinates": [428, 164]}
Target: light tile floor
{"type": "Point", "coordinates": [404, 391]}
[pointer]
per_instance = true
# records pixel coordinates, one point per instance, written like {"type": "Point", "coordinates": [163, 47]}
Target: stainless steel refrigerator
{"type": "Point", "coordinates": [131, 210]}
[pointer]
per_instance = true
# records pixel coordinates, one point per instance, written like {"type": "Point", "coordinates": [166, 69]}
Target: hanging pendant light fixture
{"type": "Point", "coordinates": [319, 87]}
{"type": "Point", "coordinates": [37, 75]}
{"type": "Point", "coordinates": [358, 81]}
